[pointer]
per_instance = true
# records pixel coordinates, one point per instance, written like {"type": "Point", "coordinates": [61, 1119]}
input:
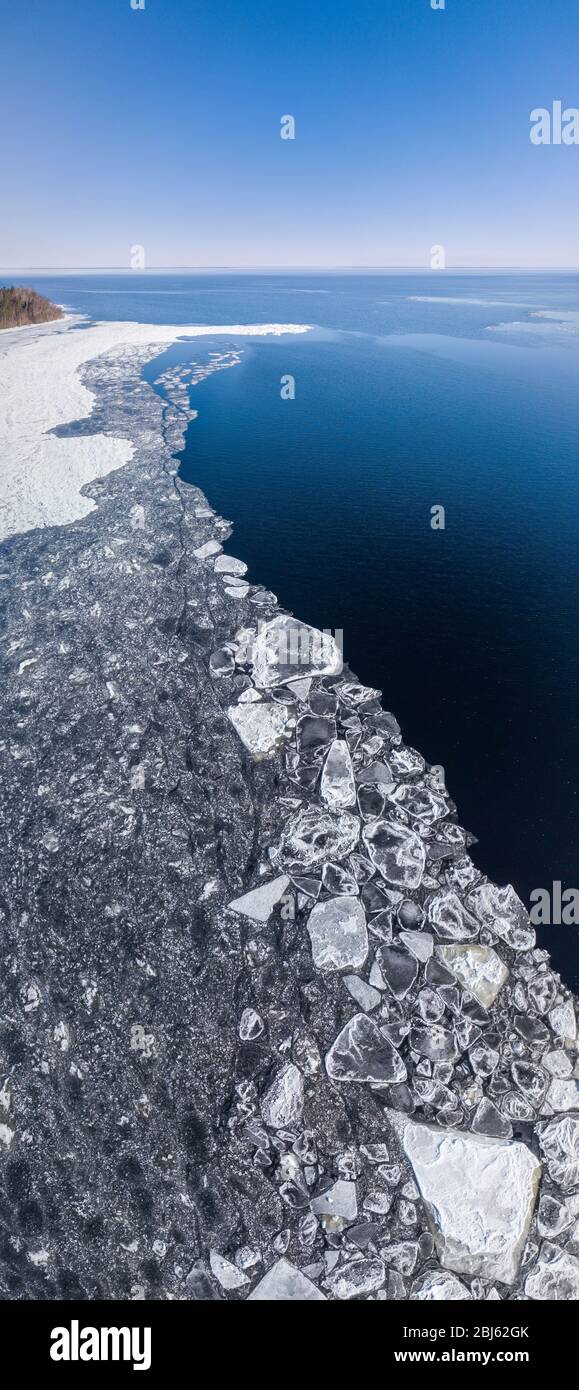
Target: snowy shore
{"type": "Point", "coordinates": [41, 474]}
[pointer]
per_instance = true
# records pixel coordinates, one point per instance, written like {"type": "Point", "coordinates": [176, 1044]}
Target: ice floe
{"type": "Point", "coordinates": [479, 1194]}
{"type": "Point", "coordinates": [314, 835]}
{"type": "Point", "coordinates": [479, 968]}
{"type": "Point", "coordinates": [362, 1053]}
{"type": "Point", "coordinates": [286, 649]}
{"type": "Point", "coordinates": [397, 852]}
{"type": "Point", "coordinates": [337, 931]}
{"type": "Point", "coordinates": [260, 727]}
{"type": "Point", "coordinates": [337, 786]}
{"type": "Point", "coordinates": [282, 1104]}
{"type": "Point", "coordinates": [260, 902]}
{"type": "Point", "coordinates": [283, 1283]}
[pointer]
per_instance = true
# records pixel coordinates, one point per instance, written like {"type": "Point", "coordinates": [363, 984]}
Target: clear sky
{"type": "Point", "coordinates": [160, 127]}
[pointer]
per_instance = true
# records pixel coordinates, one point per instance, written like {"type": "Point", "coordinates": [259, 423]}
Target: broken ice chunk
{"type": "Point", "coordinates": [406, 761]}
{"type": "Point", "coordinates": [479, 1194]}
{"type": "Point", "coordinates": [355, 1279]}
{"type": "Point", "coordinates": [365, 995]}
{"type": "Point", "coordinates": [435, 1042]}
{"type": "Point", "coordinates": [478, 968]}
{"type": "Point", "coordinates": [227, 1274]}
{"type": "Point", "coordinates": [210, 548]}
{"type": "Point", "coordinates": [420, 943]}
{"type": "Point", "coordinates": [260, 727]}
{"type": "Point", "coordinates": [562, 1095]}
{"type": "Point", "coordinates": [559, 1143]}
{"type": "Point", "coordinates": [441, 1288]}
{"type": "Point", "coordinates": [251, 1025]}
{"type": "Point", "coordinates": [563, 1021]}
{"type": "Point", "coordinates": [315, 835]}
{"type": "Point", "coordinates": [397, 852]}
{"type": "Point", "coordinates": [221, 662]}
{"type": "Point", "coordinates": [557, 1063]}
{"type": "Point", "coordinates": [555, 1276]}
{"type": "Point", "coordinates": [237, 590]}
{"type": "Point", "coordinates": [314, 731]}
{"type": "Point", "coordinates": [338, 881]}
{"type": "Point", "coordinates": [227, 564]}
{"type": "Point", "coordinates": [260, 902]}
{"type": "Point", "coordinates": [501, 910]}
{"type": "Point", "coordinates": [283, 1102]}
{"type": "Point", "coordinates": [337, 930]}
{"type": "Point", "coordinates": [542, 991]}
{"type": "Point", "coordinates": [371, 802]}
{"type": "Point", "coordinates": [337, 1200]}
{"type": "Point", "coordinates": [517, 1107]}
{"type": "Point", "coordinates": [449, 918]}
{"type": "Point", "coordinates": [286, 649]}
{"type": "Point", "coordinates": [337, 787]}
{"type": "Point", "coordinates": [531, 1080]}
{"type": "Point", "coordinates": [355, 695]}
{"type": "Point", "coordinates": [398, 968]}
{"type": "Point", "coordinates": [283, 1283]}
{"type": "Point", "coordinates": [375, 775]}
{"type": "Point", "coordinates": [300, 688]}
{"type": "Point", "coordinates": [420, 803]}
{"type": "Point", "coordinates": [488, 1120]}
{"type": "Point", "coordinates": [430, 1005]}
{"type": "Point", "coordinates": [362, 1053]}
{"type": "Point", "coordinates": [309, 887]}
{"type": "Point", "coordinates": [410, 915]}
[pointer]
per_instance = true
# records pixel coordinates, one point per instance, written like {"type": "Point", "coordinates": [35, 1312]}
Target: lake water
{"type": "Point", "coordinates": [414, 391]}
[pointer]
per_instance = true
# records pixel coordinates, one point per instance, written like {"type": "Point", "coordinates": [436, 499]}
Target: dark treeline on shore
{"type": "Point", "coordinates": [19, 306]}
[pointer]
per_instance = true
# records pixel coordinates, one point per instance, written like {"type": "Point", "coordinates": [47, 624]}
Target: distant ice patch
{"type": "Point", "coordinates": [467, 301]}
{"type": "Point", "coordinates": [560, 325]}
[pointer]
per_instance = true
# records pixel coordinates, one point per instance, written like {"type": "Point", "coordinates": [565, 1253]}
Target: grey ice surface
{"type": "Point", "coordinates": [266, 1031]}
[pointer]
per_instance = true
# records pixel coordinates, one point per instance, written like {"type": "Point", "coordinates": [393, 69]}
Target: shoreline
{"type": "Point", "coordinates": [40, 391]}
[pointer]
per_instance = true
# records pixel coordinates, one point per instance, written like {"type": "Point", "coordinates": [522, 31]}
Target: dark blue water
{"type": "Point", "coordinates": [472, 632]}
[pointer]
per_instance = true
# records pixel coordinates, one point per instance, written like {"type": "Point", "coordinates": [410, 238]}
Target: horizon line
{"type": "Point", "coordinates": [292, 269]}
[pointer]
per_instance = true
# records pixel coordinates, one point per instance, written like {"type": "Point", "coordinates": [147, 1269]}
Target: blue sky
{"type": "Point", "coordinates": [160, 127]}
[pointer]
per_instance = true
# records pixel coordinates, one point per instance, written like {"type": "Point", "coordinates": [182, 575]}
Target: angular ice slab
{"type": "Point", "coordinates": [338, 1200]}
{"type": "Point", "coordinates": [396, 851]}
{"type": "Point", "coordinates": [478, 968]}
{"type": "Point", "coordinates": [337, 787]}
{"type": "Point", "coordinates": [283, 1102]}
{"type": "Point", "coordinates": [362, 1053]}
{"type": "Point", "coordinates": [204, 552]}
{"type": "Point", "coordinates": [501, 910]}
{"type": "Point", "coordinates": [559, 1141]}
{"type": "Point", "coordinates": [260, 727]}
{"type": "Point", "coordinates": [313, 836]}
{"type": "Point", "coordinates": [449, 918]}
{"type": "Point", "coordinates": [399, 969]}
{"type": "Point", "coordinates": [226, 1273]}
{"type": "Point", "coordinates": [260, 902]}
{"type": "Point", "coordinates": [227, 564]}
{"type": "Point", "coordinates": [555, 1276]}
{"type": "Point", "coordinates": [338, 934]}
{"type": "Point", "coordinates": [283, 1283]}
{"type": "Point", "coordinates": [286, 649]}
{"type": "Point", "coordinates": [359, 1278]}
{"type": "Point", "coordinates": [439, 1288]}
{"type": "Point", "coordinates": [420, 803]}
{"type": "Point", "coordinates": [479, 1195]}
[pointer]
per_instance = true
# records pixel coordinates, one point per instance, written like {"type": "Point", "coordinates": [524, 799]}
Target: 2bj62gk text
{"type": "Point", "coordinates": [434, 1334]}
